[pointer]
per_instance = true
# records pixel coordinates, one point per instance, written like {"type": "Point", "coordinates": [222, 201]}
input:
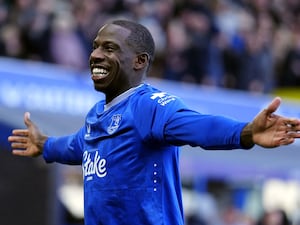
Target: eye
{"type": "Point", "coordinates": [95, 46]}
{"type": "Point", "coordinates": [109, 48]}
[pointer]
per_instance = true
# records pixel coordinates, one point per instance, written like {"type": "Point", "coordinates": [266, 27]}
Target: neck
{"type": "Point", "coordinates": [123, 85]}
{"type": "Point", "coordinates": [111, 97]}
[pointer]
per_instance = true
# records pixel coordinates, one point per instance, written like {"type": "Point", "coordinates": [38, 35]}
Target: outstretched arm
{"type": "Point", "coordinates": [270, 130]}
{"type": "Point", "coordinates": [27, 142]}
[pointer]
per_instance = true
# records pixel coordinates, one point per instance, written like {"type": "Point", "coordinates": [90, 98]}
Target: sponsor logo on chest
{"type": "Point", "coordinates": [93, 165]}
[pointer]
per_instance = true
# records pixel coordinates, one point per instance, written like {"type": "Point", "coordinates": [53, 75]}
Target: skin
{"type": "Point", "coordinates": [127, 69]}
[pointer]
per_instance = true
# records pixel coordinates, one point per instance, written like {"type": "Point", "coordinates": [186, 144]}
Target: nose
{"type": "Point", "coordinates": [97, 53]}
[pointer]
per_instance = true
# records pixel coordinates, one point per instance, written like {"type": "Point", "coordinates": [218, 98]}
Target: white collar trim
{"type": "Point", "coordinates": [121, 97]}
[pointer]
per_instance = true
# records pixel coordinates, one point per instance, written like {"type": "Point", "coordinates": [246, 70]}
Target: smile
{"type": "Point", "coordinates": [99, 72]}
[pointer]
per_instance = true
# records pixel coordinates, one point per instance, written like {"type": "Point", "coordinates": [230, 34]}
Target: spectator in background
{"type": "Point", "coordinates": [248, 58]}
{"type": "Point", "coordinates": [233, 216]}
{"type": "Point", "coordinates": [231, 22]}
{"type": "Point", "coordinates": [199, 28]}
{"type": "Point", "coordinates": [199, 57]}
{"type": "Point", "coordinates": [3, 14]}
{"type": "Point", "coordinates": [290, 74]}
{"type": "Point", "coordinates": [255, 71]}
{"type": "Point", "coordinates": [11, 43]}
{"type": "Point", "coordinates": [36, 31]}
{"type": "Point", "coordinates": [177, 41]}
{"type": "Point", "coordinates": [274, 217]}
{"type": "Point", "coordinates": [65, 46]}
{"type": "Point", "coordinates": [85, 13]}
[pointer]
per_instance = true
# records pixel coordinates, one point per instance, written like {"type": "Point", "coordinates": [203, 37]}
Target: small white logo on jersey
{"type": "Point", "coordinates": [163, 98]}
{"type": "Point", "coordinates": [88, 130]}
{"type": "Point", "coordinates": [158, 95]}
{"type": "Point", "coordinates": [115, 123]}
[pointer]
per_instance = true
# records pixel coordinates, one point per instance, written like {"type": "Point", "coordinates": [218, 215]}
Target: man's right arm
{"type": "Point", "coordinates": [32, 142]}
{"type": "Point", "coordinates": [65, 150]}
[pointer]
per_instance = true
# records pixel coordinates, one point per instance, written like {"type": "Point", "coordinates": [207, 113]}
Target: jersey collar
{"type": "Point", "coordinates": [121, 97]}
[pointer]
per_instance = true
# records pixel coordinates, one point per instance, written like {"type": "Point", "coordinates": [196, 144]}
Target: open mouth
{"type": "Point", "coordinates": [99, 72]}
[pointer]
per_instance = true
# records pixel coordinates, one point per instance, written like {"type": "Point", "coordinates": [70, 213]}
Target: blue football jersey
{"type": "Point", "coordinates": [129, 154]}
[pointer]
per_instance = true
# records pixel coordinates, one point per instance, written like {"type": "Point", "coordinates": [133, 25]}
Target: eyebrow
{"type": "Point", "coordinates": [106, 43]}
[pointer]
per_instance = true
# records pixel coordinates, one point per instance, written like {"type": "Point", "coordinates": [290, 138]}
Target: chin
{"type": "Point", "coordinates": [99, 88]}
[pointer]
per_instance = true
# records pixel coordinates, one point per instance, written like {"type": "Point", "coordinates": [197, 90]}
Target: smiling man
{"type": "Point", "coordinates": [122, 53]}
{"type": "Point", "coordinates": [129, 145]}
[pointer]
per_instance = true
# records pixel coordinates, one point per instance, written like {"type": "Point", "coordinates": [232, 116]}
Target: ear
{"type": "Point", "coordinates": [141, 61]}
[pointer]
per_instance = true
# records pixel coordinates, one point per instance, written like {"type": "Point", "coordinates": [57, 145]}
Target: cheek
{"type": "Point", "coordinates": [131, 62]}
{"type": "Point", "coordinates": [123, 63]}
{"type": "Point", "coordinates": [126, 64]}
{"type": "Point", "coordinates": [115, 69]}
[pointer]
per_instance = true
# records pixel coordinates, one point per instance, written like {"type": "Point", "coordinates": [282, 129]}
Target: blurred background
{"type": "Point", "coordinates": [227, 57]}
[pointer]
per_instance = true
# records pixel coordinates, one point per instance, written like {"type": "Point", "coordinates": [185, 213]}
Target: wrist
{"type": "Point", "coordinates": [246, 138]}
{"type": "Point", "coordinates": [41, 143]}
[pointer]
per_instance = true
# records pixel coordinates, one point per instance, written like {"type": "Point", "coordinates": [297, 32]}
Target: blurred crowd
{"type": "Point", "coordinates": [249, 45]}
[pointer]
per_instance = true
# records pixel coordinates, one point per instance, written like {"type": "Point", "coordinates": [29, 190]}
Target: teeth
{"type": "Point", "coordinates": [100, 71]}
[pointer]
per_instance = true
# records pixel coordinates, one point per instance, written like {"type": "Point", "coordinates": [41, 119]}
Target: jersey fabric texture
{"type": "Point", "coordinates": [129, 152]}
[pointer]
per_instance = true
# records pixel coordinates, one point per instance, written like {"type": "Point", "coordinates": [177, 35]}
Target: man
{"type": "Point", "coordinates": [128, 147]}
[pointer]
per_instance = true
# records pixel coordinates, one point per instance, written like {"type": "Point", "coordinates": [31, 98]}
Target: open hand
{"type": "Point", "coordinates": [27, 142]}
{"type": "Point", "coordinates": [270, 130]}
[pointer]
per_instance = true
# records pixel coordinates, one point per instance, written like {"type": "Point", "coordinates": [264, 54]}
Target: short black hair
{"type": "Point", "coordinates": [140, 38]}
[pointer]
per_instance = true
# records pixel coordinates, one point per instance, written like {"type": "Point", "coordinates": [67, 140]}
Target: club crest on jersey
{"type": "Point", "coordinates": [115, 123]}
{"type": "Point", "coordinates": [162, 98]}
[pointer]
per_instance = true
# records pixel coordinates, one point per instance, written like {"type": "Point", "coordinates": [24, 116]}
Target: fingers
{"type": "Point", "coordinates": [294, 124]}
{"type": "Point", "coordinates": [289, 138]}
{"type": "Point", "coordinates": [291, 131]}
{"type": "Point", "coordinates": [292, 128]}
{"type": "Point", "coordinates": [19, 139]}
{"type": "Point", "coordinates": [18, 136]}
{"type": "Point", "coordinates": [18, 142]}
{"type": "Point", "coordinates": [286, 141]}
{"type": "Point", "coordinates": [283, 139]}
{"type": "Point", "coordinates": [21, 146]}
{"type": "Point", "coordinates": [20, 132]}
{"type": "Point", "coordinates": [21, 152]}
{"type": "Point", "coordinates": [273, 106]}
{"type": "Point", "coordinates": [27, 120]}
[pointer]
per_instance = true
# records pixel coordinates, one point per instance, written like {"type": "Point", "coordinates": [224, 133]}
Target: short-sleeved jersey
{"type": "Point", "coordinates": [129, 154]}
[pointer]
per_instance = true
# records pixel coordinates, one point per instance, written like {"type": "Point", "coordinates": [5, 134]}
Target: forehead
{"type": "Point", "coordinates": [112, 32]}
